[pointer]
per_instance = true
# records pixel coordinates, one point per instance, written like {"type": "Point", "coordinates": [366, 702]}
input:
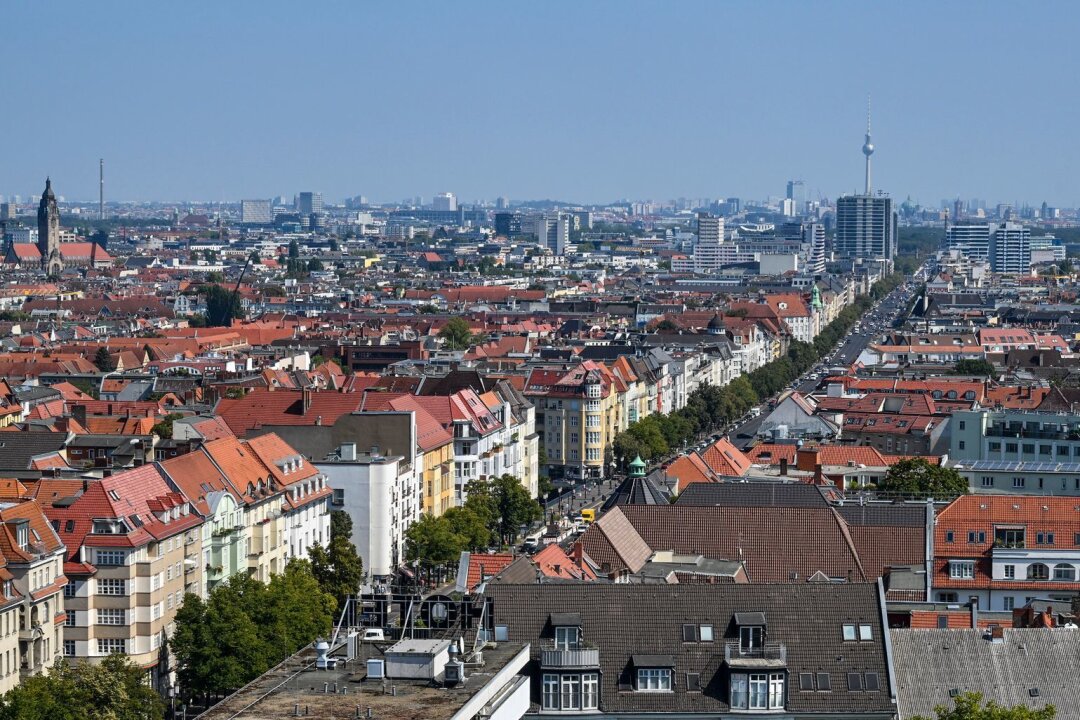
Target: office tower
{"type": "Point", "coordinates": [972, 239]}
{"type": "Point", "coordinates": [1010, 248]}
{"type": "Point", "coordinates": [501, 203]}
{"type": "Point", "coordinates": [309, 203]}
{"type": "Point", "coordinates": [814, 237]}
{"type": "Point", "coordinates": [787, 207]}
{"type": "Point", "coordinates": [444, 201]}
{"type": "Point", "coordinates": [7, 212]}
{"type": "Point", "coordinates": [507, 225]}
{"type": "Point", "coordinates": [255, 212]}
{"type": "Point", "coordinates": [865, 227]}
{"type": "Point", "coordinates": [708, 252]}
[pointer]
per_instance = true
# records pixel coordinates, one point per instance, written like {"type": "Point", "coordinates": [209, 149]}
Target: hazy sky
{"type": "Point", "coordinates": [589, 101]}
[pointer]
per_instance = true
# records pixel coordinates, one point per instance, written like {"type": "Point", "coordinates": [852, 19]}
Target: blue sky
{"type": "Point", "coordinates": [588, 101]}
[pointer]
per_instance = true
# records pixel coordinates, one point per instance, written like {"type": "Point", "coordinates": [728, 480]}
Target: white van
{"type": "Point", "coordinates": [534, 541]}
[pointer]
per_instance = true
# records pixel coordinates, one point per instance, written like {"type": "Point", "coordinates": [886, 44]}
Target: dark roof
{"type": "Point", "coordinates": [884, 515]}
{"type": "Point", "coordinates": [886, 535]}
{"type": "Point", "coordinates": [564, 619]}
{"type": "Point", "coordinates": [756, 494]}
{"type": "Point", "coordinates": [749, 618]}
{"type": "Point", "coordinates": [636, 491]}
{"type": "Point", "coordinates": [18, 448]}
{"type": "Point", "coordinates": [628, 623]}
{"type": "Point", "coordinates": [776, 545]}
{"type": "Point", "coordinates": [652, 661]}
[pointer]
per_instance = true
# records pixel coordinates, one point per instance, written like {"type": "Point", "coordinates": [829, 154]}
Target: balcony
{"type": "Point", "coordinates": [769, 655]}
{"type": "Point", "coordinates": [580, 655]}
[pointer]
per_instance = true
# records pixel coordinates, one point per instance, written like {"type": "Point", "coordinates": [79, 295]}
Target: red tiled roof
{"type": "Point", "coordinates": [485, 565]}
{"type": "Point", "coordinates": [285, 407]}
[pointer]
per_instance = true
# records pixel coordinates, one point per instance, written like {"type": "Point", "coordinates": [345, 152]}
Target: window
{"type": "Point", "coordinates": [570, 692]}
{"type": "Point", "coordinates": [1019, 482]}
{"type": "Point", "coordinates": [110, 616]}
{"type": "Point", "coordinates": [108, 646]}
{"type": "Point", "coordinates": [1009, 537]}
{"type": "Point", "coordinates": [776, 690]}
{"type": "Point", "coordinates": [1038, 571]}
{"type": "Point", "coordinates": [654, 679]}
{"type": "Point", "coordinates": [111, 586]}
{"type": "Point", "coordinates": [70, 621]}
{"type": "Point", "coordinates": [995, 446]}
{"type": "Point", "coordinates": [759, 686]}
{"type": "Point", "coordinates": [854, 681]}
{"type": "Point", "coordinates": [1008, 602]}
{"type": "Point", "coordinates": [1049, 538]}
{"type": "Point", "coordinates": [962, 443]}
{"type": "Point", "coordinates": [962, 424]}
{"type": "Point", "coordinates": [987, 481]}
{"type": "Point", "coordinates": [1029, 447]}
{"type": "Point", "coordinates": [69, 648]}
{"type": "Point", "coordinates": [961, 569]}
{"type": "Point", "coordinates": [806, 681]}
{"type": "Point", "coordinates": [824, 682]}
{"type": "Point", "coordinates": [976, 536]}
{"type": "Point", "coordinates": [551, 692]}
{"type": "Point", "coordinates": [1064, 571]}
{"type": "Point", "coordinates": [849, 633]}
{"type": "Point", "coordinates": [693, 682]}
{"type": "Point", "coordinates": [1076, 539]}
{"type": "Point", "coordinates": [751, 637]}
{"type": "Point", "coordinates": [950, 536]}
{"type": "Point", "coordinates": [739, 691]}
{"type": "Point", "coordinates": [110, 557]}
{"type": "Point", "coordinates": [69, 589]}
{"type": "Point", "coordinates": [1010, 447]}
{"type": "Point", "coordinates": [871, 682]}
{"type": "Point", "coordinates": [1010, 572]}
{"type": "Point", "coordinates": [566, 638]}
{"type": "Point", "coordinates": [590, 691]}
{"type": "Point", "coordinates": [689, 633]}
{"type": "Point", "coordinates": [943, 622]}
{"type": "Point", "coordinates": [866, 632]}
{"type": "Point", "coordinates": [705, 634]}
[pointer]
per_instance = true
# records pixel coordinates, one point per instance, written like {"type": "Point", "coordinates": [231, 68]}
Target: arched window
{"type": "Point", "coordinates": [1064, 571]}
{"type": "Point", "coordinates": [1038, 571]}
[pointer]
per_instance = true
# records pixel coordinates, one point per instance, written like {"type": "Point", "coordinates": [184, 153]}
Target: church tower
{"type": "Point", "coordinates": [48, 220]}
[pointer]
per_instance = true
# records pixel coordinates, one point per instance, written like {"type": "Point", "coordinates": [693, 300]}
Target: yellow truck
{"type": "Point", "coordinates": [588, 515]}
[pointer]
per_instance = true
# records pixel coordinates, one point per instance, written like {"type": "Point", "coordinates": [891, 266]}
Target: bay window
{"type": "Point", "coordinates": [757, 691]}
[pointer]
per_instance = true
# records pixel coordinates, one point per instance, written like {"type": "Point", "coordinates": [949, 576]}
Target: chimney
{"type": "Point", "coordinates": [306, 396]}
{"type": "Point", "coordinates": [974, 600]}
{"type": "Point", "coordinates": [997, 634]}
{"type": "Point", "coordinates": [79, 413]}
{"type": "Point", "coordinates": [819, 477]}
{"type": "Point", "coordinates": [783, 467]}
{"type": "Point", "coordinates": [577, 553]}
{"type": "Point", "coordinates": [806, 458]}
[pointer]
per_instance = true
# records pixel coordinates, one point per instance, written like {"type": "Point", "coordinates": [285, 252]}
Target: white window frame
{"type": "Point", "coordinates": [961, 569]}
{"type": "Point", "coordinates": [111, 616]}
{"type": "Point", "coordinates": [567, 638]}
{"type": "Point", "coordinates": [654, 679]}
{"type": "Point", "coordinates": [550, 692]}
{"type": "Point", "coordinates": [590, 691]}
{"type": "Point", "coordinates": [758, 691]}
{"type": "Point", "coordinates": [570, 692]}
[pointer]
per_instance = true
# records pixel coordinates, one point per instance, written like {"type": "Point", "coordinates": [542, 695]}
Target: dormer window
{"type": "Point", "coordinates": [567, 638]}
{"type": "Point", "coordinates": [653, 672]}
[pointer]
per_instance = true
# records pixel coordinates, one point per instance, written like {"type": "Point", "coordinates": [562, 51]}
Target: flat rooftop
{"type": "Point", "coordinates": [276, 694]}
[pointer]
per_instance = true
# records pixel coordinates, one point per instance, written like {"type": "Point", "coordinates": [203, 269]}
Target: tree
{"type": "Point", "coordinates": [222, 306]}
{"type": "Point", "coordinates": [468, 526]}
{"type": "Point", "coordinates": [294, 250]}
{"type": "Point", "coordinates": [432, 542]}
{"type": "Point", "coordinates": [667, 325]}
{"type": "Point", "coordinates": [983, 368]}
{"type": "Point", "coordinates": [164, 427]}
{"type": "Point", "coordinates": [969, 706]}
{"type": "Point", "coordinates": [102, 360]}
{"type": "Point", "coordinates": [334, 247]}
{"type": "Point", "coordinates": [514, 506]}
{"type": "Point", "coordinates": [315, 265]}
{"type": "Point", "coordinates": [215, 276]}
{"type": "Point", "coordinates": [338, 568]}
{"type": "Point", "coordinates": [113, 689]}
{"type": "Point", "coordinates": [915, 476]}
{"type": "Point", "coordinates": [457, 334]}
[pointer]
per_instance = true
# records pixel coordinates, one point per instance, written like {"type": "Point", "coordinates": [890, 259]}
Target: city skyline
{"type": "Point", "coordinates": [611, 105]}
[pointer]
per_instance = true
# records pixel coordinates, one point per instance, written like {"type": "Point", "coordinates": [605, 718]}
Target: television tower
{"type": "Point", "coordinates": [868, 147]}
{"type": "Point", "coordinates": [101, 188]}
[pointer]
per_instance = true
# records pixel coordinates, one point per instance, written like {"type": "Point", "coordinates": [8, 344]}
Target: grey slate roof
{"type": "Point", "coordinates": [764, 494]}
{"type": "Point", "coordinates": [626, 622]}
{"type": "Point", "coordinates": [636, 491]}
{"type": "Point", "coordinates": [930, 663]}
{"type": "Point", "coordinates": [18, 448]}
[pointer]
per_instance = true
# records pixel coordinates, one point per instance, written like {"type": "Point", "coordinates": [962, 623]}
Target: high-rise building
{"type": "Point", "coordinates": [308, 203]}
{"type": "Point", "coordinates": [444, 201]}
{"type": "Point", "coordinates": [972, 239]}
{"type": "Point", "coordinates": [507, 225]}
{"type": "Point", "coordinates": [256, 212]}
{"type": "Point", "coordinates": [501, 203]}
{"type": "Point", "coordinates": [814, 238]}
{"type": "Point", "coordinates": [7, 211]}
{"type": "Point", "coordinates": [708, 251]}
{"type": "Point", "coordinates": [1010, 248]}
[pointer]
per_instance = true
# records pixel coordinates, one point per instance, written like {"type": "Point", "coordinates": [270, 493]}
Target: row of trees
{"type": "Point", "coordinates": [114, 688]}
{"type": "Point", "coordinates": [492, 515]}
{"type": "Point", "coordinates": [245, 627]}
{"type": "Point", "coordinates": [708, 408]}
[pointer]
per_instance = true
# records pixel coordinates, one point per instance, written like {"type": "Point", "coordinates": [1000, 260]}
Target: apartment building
{"type": "Point", "coordinates": [1007, 550]}
{"type": "Point", "coordinates": [132, 541]}
{"type": "Point", "coordinates": [1015, 436]}
{"type": "Point", "coordinates": [31, 595]}
{"type": "Point", "coordinates": [578, 415]}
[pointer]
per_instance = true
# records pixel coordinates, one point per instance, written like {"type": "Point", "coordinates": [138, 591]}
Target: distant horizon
{"type": "Point", "coordinates": [639, 99]}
